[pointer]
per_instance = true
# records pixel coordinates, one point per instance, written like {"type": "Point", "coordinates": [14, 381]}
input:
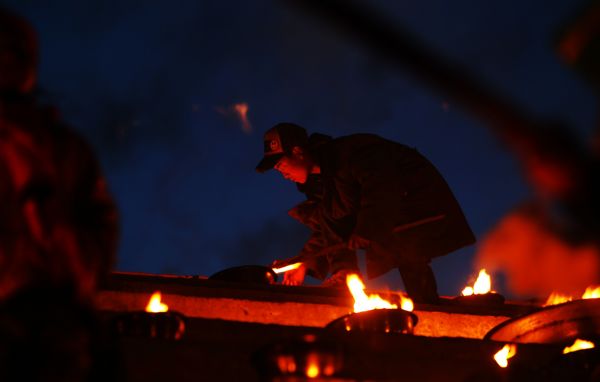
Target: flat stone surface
{"type": "Point", "coordinates": [282, 305]}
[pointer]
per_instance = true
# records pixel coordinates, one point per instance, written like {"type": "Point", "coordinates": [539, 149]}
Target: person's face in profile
{"type": "Point", "coordinates": [294, 167]}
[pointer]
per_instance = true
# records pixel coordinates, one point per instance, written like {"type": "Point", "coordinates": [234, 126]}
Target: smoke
{"type": "Point", "coordinates": [536, 260]}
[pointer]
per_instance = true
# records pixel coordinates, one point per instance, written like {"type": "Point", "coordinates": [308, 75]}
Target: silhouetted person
{"type": "Point", "coordinates": [377, 195]}
{"type": "Point", "coordinates": [58, 227]}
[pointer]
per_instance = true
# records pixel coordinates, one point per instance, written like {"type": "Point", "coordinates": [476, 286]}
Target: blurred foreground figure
{"type": "Point", "coordinates": [58, 227]}
{"type": "Point", "coordinates": [552, 244]}
{"type": "Point", "coordinates": [367, 192]}
{"type": "Point", "coordinates": [537, 257]}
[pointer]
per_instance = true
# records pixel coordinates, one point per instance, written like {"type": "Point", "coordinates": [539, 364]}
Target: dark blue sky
{"type": "Point", "coordinates": [143, 81]}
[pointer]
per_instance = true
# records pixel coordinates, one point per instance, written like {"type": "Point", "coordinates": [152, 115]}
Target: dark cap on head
{"type": "Point", "coordinates": [279, 141]}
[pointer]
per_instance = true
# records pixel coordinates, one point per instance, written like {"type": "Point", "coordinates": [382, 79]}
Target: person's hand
{"type": "Point", "coordinates": [295, 276]}
{"type": "Point", "coordinates": [280, 263]}
{"type": "Point", "coordinates": [356, 241]}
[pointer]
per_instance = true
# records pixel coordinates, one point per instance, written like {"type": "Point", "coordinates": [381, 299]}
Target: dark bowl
{"type": "Point", "coordinates": [167, 325]}
{"type": "Point", "coordinates": [247, 274]}
{"type": "Point", "coordinates": [487, 299]}
{"type": "Point", "coordinates": [556, 324]}
{"type": "Point", "coordinates": [378, 320]}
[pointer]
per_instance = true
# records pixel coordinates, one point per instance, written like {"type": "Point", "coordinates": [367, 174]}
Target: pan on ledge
{"type": "Point", "coordinates": [247, 274]}
{"type": "Point", "coordinates": [558, 324]}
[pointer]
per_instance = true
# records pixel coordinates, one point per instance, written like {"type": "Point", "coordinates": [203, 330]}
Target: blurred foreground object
{"type": "Point", "coordinates": [58, 228]}
{"type": "Point", "coordinates": [537, 258]}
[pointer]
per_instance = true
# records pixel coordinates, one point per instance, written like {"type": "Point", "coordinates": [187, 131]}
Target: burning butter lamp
{"type": "Point", "coordinates": [481, 292]}
{"type": "Point", "coordinates": [301, 359]}
{"type": "Point", "coordinates": [373, 313]}
{"type": "Point", "coordinates": [157, 321]}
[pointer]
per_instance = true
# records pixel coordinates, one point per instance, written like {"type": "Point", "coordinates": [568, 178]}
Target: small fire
{"type": "Point", "coordinates": [312, 366]}
{"type": "Point", "coordinates": [483, 285]}
{"type": "Point", "coordinates": [504, 354]}
{"type": "Point", "coordinates": [287, 268]}
{"type": "Point", "coordinates": [557, 298]}
{"type": "Point", "coordinates": [591, 292]}
{"type": "Point", "coordinates": [579, 345]}
{"type": "Point", "coordinates": [155, 305]}
{"type": "Point", "coordinates": [362, 302]}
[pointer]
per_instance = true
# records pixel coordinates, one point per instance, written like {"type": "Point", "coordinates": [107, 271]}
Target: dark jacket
{"type": "Point", "coordinates": [390, 194]}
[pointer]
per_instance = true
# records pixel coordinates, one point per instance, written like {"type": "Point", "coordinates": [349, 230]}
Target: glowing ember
{"type": "Point", "coordinates": [557, 298]}
{"type": "Point", "coordinates": [483, 285]}
{"type": "Point", "coordinates": [287, 268]}
{"type": "Point", "coordinates": [362, 302]}
{"type": "Point", "coordinates": [155, 305]}
{"type": "Point", "coordinates": [241, 109]}
{"type": "Point", "coordinates": [579, 345]}
{"type": "Point", "coordinates": [591, 292]}
{"type": "Point", "coordinates": [504, 354]}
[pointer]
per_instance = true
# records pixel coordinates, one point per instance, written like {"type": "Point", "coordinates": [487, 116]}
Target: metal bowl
{"type": "Point", "coordinates": [247, 274]}
{"type": "Point", "coordinates": [166, 325]}
{"type": "Point", "coordinates": [378, 320]}
{"type": "Point", "coordinates": [554, 324]}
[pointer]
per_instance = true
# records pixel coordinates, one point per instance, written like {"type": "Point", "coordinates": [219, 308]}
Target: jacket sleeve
{"type": "Point", "coordinates": [316, 266]}
{"type": "Point", "coordinates": [306, 213]}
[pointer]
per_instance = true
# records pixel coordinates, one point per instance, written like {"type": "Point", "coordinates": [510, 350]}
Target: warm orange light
{"type": "Point", "coordinates": [504, 354]}
{"type": "Point", "coordinates": [287, 268]}
{"type": "Point", "coordinates": [557, 298]}
{"type": "Point", "coordinates": [286, 364]}
{"type": "Point", "coordinates": [155, 305]}
{"type": "Point", "coordinates": [364, 302]}
{"type": "Point", "coordinates": [578, 345]}
{"type": "Point", "coordinates": [406, 303]}
{"type": "Point", "coordinates": [241, 110]}
{"type": "Point", "coordinates": [312, 366]}
{"type": "Point", "coordinates": [591, 292]}
{"type": "Point", "coordinates": [482, 285]}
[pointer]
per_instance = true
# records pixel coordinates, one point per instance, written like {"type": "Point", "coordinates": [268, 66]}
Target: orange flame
{"type": "Point", "coordinates": [364, 302]}
{"type": "Point", "coordinates": [579, 345]}
{"type": "Point", "coordinates": [557, 298]}
{"type": "Point", "coordinates": [482, 285]}
{"type": "Point", "coordinates": [591, 292]}
{"type": "Point", "coordinates": [504, 354]}
{"type": "Point", "coordinates": [155, 305]}
{"type": "Point", "coordinates": [287, 268]}
{"type": "Point", "coordinates": [312, 366]}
